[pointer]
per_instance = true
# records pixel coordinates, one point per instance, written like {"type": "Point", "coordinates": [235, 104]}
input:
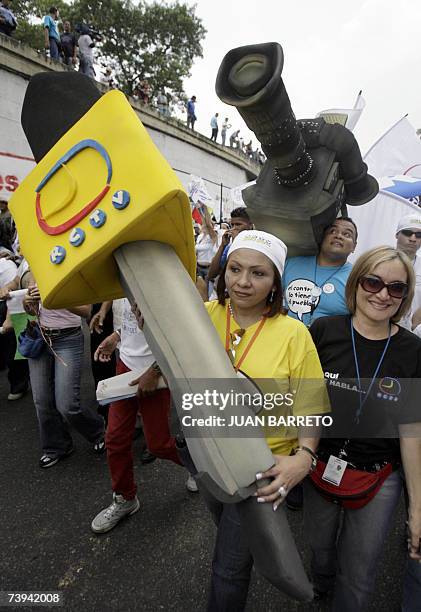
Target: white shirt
{"type": "Point", "coordinates": [134, 350]}
{"type": "Point", "coordinates": [8, 271]}
{"type": "Point", "coordinates": [84, 43]}
{"type": "Point", "coordinates": [205, 249]}
{"type": "Point", "coordinates": [416, 302]}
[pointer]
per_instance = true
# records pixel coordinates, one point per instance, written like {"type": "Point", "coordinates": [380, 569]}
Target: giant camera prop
{"type": "Point", "coordinates": [313, 168]}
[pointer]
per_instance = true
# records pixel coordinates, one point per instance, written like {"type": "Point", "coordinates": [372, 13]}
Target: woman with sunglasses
{"type": "Point", "coordinates": [371, 365]}
{"type": "Point", "coordinates": [263, 342]}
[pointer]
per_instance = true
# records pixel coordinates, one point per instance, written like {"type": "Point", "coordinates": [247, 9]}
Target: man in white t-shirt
{"type": "Point", "coordinates": [154, 406]}
{"type": "Point", "coordinates": [408, 240]}
{"type": "Point", "coordinates": [86, 55]}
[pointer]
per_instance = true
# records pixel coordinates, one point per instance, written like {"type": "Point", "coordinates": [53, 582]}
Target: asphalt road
{"type": "Point", "coordinates": [158, 559]}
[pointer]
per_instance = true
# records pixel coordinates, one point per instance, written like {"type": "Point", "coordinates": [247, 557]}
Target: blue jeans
{"type": "Point", "coordinates": [86, 66]}
{"type": "Point", "coordinates": [232, 561]}
{"type": "Point", "coordinates": [231, 564]}
{"type": "Point", "coordinates": [56, 393]}
{"type": "Point", "coordinates": [412, 587]}
{"type": "Point", "coordinates": [54, 54]}
{"type": "Point", "coordinates": [345, 555]}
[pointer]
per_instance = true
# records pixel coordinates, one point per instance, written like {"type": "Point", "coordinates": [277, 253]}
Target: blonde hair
{"type": "Point", "coordinates": [366, 264]}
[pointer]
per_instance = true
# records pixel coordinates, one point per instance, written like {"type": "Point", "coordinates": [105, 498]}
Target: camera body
{"type": "Point", "coordinates": [313, 169]}
{"type": "Point", "coordinates": [83, 28]}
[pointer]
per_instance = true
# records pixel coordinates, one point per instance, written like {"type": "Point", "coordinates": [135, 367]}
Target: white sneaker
{"type": "Point", "coordinates": [191, 485]}
{"type": "Point", "coordinates": [108, 518]}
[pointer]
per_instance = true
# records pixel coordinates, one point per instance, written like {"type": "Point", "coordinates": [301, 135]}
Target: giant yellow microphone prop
{"type": "Point", "coordinates": [103, 215]}
{"type": "Point", "coordinates": [95, 190]}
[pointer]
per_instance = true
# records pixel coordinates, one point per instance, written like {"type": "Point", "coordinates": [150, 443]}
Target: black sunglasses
{"type": "Point", "coordinates": [374, 284]}
{"type": "Point", "coordinates": [408, 233]}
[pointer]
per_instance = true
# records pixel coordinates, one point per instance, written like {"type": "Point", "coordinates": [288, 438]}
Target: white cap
{"type": "Point", "coordinates": [412, 221]}
{"type": "Point", "coordinates": [265, 243]}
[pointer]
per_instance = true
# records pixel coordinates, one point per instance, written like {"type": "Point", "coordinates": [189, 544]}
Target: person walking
{"type": "Point", "coordinates": [262, 342]}
{"type": "Point", "coordinates": [214, 126]}
{"type": "Point", "coordinates": [55, 380]}
{"type": "Point", "coordinates": [371, 364]}
{"type": "Point", "coordinates": [152, 402]}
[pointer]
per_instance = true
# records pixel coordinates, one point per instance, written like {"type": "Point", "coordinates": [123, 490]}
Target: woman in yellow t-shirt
{"type": "Point", "coordinates": [264, 344]}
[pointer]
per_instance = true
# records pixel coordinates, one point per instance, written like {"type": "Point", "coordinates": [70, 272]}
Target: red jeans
{"type": "Point", "coordinates": [119, 438]}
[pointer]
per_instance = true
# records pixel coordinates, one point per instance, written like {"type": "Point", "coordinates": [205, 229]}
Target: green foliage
{"type": "Point", "coordinates": [157, 42]}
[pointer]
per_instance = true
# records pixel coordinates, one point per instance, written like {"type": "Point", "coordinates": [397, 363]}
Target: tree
{"type": "Point", "coordinates": [157, 41]}
{"type": "Point", "coordinates": [29, 14]}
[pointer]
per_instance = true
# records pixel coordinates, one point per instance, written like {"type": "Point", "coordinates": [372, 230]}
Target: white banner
{"type": "Point", "coordinates": [377, 221]}
{"type": "Point", "coordinates": [13, 169]}
{"type": "Point", "coordinates": [348, 117]}
{"type": "Point", "coordinates": [235, 199]}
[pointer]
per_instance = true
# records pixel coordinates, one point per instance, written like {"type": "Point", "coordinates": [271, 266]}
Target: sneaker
{"type": "Point", "coordinates": [99, 447]}
{"type": "Point", "coordinates": [147, 457]}
{"type": "Point", "coordinates": [15, 396]}
{"type": "Point", "coordinates": [47, 461]}
{"type": "Point", "coordinates": [191, 485]}
{"type": "Point", "coordinates": [108, 518]}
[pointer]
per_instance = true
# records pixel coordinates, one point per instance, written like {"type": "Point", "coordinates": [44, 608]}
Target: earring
{"type": "Point", "coordinates": [272, 296]}
{"type": "Point", "coordinates": [226, 294]}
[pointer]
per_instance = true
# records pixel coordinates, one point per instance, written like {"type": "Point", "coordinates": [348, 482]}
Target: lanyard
{"type": "Point", "coordinates": [363, 401]}
{"type": "Point", "coordinates": [230, 352]}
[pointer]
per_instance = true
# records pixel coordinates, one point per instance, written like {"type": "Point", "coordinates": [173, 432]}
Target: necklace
{"type": "Point", "coordinates": [236, 337]}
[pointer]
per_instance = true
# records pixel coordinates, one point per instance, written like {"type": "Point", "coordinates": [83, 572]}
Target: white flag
{"type": "Point", "coordinates": [348, 117]}
{"type": "Point", "coordinates": [397, 152]}
{"type": "Point", "coordinates": [377, 221]}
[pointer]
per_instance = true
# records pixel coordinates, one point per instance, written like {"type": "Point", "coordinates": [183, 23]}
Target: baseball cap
{"type": "Point", "coordinates": [412, 221]}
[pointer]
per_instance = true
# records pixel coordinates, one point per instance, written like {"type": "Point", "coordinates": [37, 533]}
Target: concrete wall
{"type": "Point", "coordinates": [187, 152]}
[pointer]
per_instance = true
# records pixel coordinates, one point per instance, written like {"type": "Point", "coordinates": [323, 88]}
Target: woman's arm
{"type": "Point", "coordinates": [97, 321]}
{"type": "Point", "coordinates": [11, 286]}
{"type": "Point", "coordinates": [215, 266]}
{"type": "Point", "coordinates": [410, 444]}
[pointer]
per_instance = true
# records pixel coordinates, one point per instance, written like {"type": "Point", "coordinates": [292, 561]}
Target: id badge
{"type": "Point", "coordinates": [334, 470]}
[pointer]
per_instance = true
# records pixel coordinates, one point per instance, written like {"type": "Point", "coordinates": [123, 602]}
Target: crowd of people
{"type": "Point", "coordinates": [73, 47]}
{"type": "Point", "coordinates": [298, 318]}
{"type": "Point", "coordinates": [236, 141]}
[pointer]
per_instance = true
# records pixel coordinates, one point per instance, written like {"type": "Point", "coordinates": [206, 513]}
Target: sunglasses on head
{"type": "Point", "coordinates": [408, 233]}
{"type": "Point", "coordinates": [374, 284]}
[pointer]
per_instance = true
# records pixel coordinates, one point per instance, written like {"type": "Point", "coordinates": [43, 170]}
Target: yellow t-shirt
{"type": "Point", "coordinates": [283, 352]}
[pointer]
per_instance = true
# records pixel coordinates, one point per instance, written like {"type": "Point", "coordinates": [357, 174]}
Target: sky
{"type": "Point", "coordinates": [332, 50]}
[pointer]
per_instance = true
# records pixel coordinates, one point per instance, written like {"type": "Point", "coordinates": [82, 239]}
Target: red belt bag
{"type": "Point", "coordinates": [357, 487]}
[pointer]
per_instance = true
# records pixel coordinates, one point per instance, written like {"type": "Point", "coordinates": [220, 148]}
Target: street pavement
{"type": "Point", "coordinates": [158, 559]}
